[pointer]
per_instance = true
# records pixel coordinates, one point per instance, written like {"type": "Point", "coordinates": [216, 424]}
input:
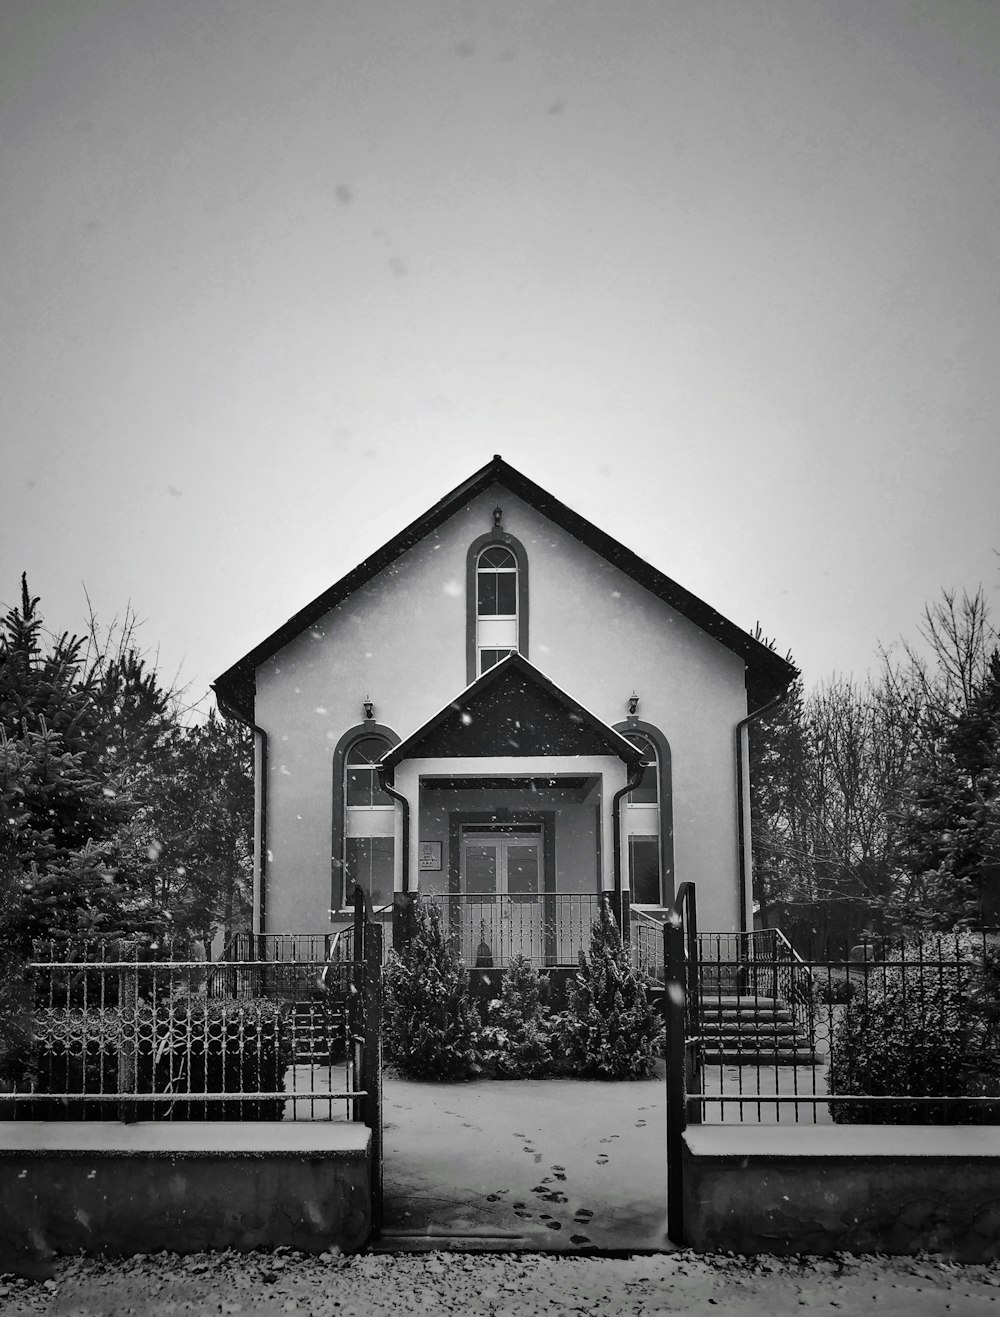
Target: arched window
{"type": "Point", "coordinates": [497, 601]}
{"type": "Point", "coordinates": [646, 820]}
{"type": "Point", "coordinates": [361, 786]}
{"type": "Point", "coordinates": [496, 606]}
{"type": "Point", "coordinates": [364, 818]}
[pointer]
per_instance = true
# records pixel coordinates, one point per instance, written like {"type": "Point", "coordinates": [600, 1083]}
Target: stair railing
{"type": "Point", "coordinates": [794, 984]}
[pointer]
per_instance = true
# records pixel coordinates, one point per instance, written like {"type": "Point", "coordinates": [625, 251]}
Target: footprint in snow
{"type": "Point", "coordinates": [582, 1215]}
{"type": "Point", "coordinates": [554, 1225]}
{"type": "Point", "coordinates": [602, 1159]}
{"type": "Point", "coordinates": [579, 1239]}
{"type": "Point", "coordinates": [639, 1124]}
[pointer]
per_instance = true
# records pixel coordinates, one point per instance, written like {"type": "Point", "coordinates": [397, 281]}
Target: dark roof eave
{"type": "Point", "coordinates": [767, 674]}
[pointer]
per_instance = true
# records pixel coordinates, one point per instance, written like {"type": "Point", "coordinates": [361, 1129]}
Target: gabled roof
{"type": "Point", "coordinates": [512, 709]}
{"type": "Point", "coordinates": [767, 675]}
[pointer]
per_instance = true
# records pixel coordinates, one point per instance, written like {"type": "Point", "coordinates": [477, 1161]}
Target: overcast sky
{"type": "Point", "coordinates": [724, 277]}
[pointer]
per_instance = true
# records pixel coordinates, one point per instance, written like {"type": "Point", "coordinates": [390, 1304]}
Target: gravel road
{"type": "Point", "coordinates": [525, 1285]}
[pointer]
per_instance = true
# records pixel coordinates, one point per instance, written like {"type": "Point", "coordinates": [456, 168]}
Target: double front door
{"type": "Point", "coordinates": [501, 886]}
{"type": "Point", "coordinates": [501, 864]}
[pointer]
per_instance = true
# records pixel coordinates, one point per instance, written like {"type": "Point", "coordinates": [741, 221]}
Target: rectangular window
{"type": "Point", "coordinates": [644, 869]}
{"type": "Point", "coordinates": [497, 594]}
{"type": "Point", "coordinates": [363, 790]}
{"type": "Point", "coordinates": [489, 658]}
{"type": "Point", "coordinates": [369, 861]}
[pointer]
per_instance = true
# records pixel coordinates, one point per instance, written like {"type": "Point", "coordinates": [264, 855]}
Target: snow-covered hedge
{"type": "Point", "coordinates": [925, 1023]}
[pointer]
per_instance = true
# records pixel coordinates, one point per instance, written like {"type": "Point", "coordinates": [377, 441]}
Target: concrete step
{"type": "Point", "coordinates": [760, 1057]}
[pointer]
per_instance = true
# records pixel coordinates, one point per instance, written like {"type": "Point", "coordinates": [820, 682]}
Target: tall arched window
{"type": "Point", "coordinates": [497, 601]}
{"type": "Point", "coordinates": [496, 606]}
{"type": "Point", "coordinates": [364, 818]}
{"type": "Point", "coordinates": [646, 820]}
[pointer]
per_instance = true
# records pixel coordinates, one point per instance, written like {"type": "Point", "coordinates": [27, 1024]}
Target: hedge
{"type": "Point", "coordinates": [188, 1047]}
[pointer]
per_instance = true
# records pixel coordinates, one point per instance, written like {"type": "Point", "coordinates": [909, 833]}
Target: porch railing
{"type": "Point", "coordinates": [549, 929]}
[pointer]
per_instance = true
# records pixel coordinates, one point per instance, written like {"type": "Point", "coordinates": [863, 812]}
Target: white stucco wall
{"type": "Point", "coordinates": [402, 640]}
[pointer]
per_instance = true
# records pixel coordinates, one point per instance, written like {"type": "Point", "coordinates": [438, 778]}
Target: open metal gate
{"type": "Point", "coordinates": [682, 1009]}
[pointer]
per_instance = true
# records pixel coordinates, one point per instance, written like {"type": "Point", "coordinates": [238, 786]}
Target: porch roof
{"type": "Point", "coordinates": [513, 709]}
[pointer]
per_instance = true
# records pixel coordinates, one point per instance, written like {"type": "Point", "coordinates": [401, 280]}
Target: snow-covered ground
{"type": "Point", "coordinates": [516, 1284]}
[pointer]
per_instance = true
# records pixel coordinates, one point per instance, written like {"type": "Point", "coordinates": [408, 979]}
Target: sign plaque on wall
{"type": "Point", "coordinates": [430, 856]}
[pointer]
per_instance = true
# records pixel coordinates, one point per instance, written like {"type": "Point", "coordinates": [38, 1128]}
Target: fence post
{"type": "Point", "coordinates": [675, 995]}
{"type": "Point", "coordinates": [371, 1075]}
{"type": "Point", "coordinates": [128, 999]}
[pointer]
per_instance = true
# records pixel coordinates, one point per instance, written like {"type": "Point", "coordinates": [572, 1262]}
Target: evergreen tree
{"type": "Point", "coordinates": [609, 1029]}
{"type": "Point", "coordinates": [200, 853]}
{"type": "Point", "coordinates": [949, 828]}
{"type": "Point", "coordinates": [60, 825]}
{"type": "Point", "coordinates": [432, 1027]}
{"type": "Point", "coordinates": [516, 1033]}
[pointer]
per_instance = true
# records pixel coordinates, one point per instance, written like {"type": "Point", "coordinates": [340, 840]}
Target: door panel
{"type": "Point", "coordinates": [481, 869]}
{"type": "Point", "coordinates": [495, 866]}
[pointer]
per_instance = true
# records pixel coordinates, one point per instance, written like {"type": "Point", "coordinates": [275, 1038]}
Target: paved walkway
{"type": "Point", "coordinates": [556, 1164]}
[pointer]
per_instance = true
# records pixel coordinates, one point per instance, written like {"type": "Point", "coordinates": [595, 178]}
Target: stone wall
{"type": "Point", "coordinates": [115, 1189]}
{"type": "Point", "coordinates": [860, 1189]}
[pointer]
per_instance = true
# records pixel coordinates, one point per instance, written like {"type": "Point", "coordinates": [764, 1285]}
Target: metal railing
{"type": "Point", "coordinates": [647, 944]}
{"type": "Point", "coordinates": [901, 1031]}
{"type": "Point", "coordinates": [117, 1030]}
{"type": "Point", "coordinates": [549, 929]}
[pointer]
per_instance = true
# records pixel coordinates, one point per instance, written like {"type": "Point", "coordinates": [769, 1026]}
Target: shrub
{"type": "Point", "coordinates": [516, 1036]}
{"type": "Point", "coordinates": [609, 1029]}
{"type": "Point", "coordinates": [432, 1027]}
{"type": "Point", "coordinates": [923, 1025]}
{"type": "Point", "coordinates": [185, 1048]}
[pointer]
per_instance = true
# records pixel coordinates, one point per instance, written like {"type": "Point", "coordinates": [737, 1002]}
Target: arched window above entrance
{"type": "Point", "coordinates": [496, 601]}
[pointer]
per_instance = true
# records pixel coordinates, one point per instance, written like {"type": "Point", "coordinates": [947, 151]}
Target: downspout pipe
{"type": "Point", "coordinates": [634, 779]}
{"type": "Point", "coordinates": [741, 820]}
{"type": "Point", "coordinates": [398, 795]}
{"type": "Point", "coordinates": [262, 854]}
{"type": "Point", "coordinates": [229, 710]}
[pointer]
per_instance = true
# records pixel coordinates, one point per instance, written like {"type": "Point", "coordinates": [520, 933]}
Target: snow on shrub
{"type": "Point", "coordinates": [609, 1029]}
{"type": "Point", "coordinates": [432, 1027]}
{"type": "Point", "coordinates": [516, 1035]}
{"type": "Point", "coordinates": [923, 1024]}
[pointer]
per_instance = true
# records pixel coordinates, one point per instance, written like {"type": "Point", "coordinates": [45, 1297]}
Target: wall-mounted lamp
{"type": "Point", "coordinates": [369, 707]}
{"type": "Point", "coordinates": [498, 517]}
{"type": "Point", "coordinates": [633, 705]}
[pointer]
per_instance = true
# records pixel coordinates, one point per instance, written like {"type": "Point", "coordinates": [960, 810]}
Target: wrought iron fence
{"type": "Point", "coordinates": [897, 1031]}
{"type": "Point", "coordinates": [549, 929]}
{"type": "Point", "coordinates": [118, 1032]}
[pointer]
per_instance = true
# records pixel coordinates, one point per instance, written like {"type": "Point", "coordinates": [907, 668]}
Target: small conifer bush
{"type": "Point", "coordinates": [609, 1029]}
{"type": "Point", "coordinates": [516, 1036]}
{"type": "Point", "coordinates": [432, 1027]}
